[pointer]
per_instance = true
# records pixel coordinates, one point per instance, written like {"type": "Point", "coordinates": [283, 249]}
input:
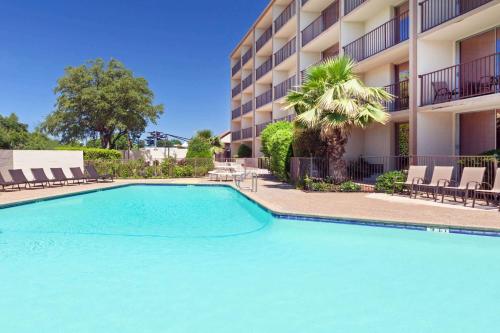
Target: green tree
{"type": "Point", "coordinates": [269, 131]}
{"type": "Point", "coordinates": [15, 135]}
{"type": "Point", "coordinates": [244, 151]}
{"type": "Point", "coordinates": [204, 144]}
{"type": "Point", "coordinates": [335, 101]}
{"type": "Point", "coordinates": [103, 99]}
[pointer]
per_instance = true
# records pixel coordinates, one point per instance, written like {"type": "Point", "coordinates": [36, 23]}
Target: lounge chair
{"type": "Point", "coordinates": [5, 183]}
{"type": "Point", "coordinates": [441, 176]}
{"type": "Point", "coordinates": [78, 175]}
{"type": "Point", "coordinates": [472, 178]}
{"type": "Point", "coordinates": [40, 176]}
{"type": "Point", "coordinates": [59, 176]}
{"type": "Point", "coordinates": [18, 177]}
{"type": "Point", "coordinates": [94, 175]}
{"type": "Point", "coordinates": [493, 192]}
{"type": "Point", "coordinates": [441, 91]}
{"type": "Point", "coordinates": [416, 176]}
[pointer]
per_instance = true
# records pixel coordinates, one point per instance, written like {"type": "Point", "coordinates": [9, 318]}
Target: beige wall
{"type": "Point", "coordinates": [435, 133]}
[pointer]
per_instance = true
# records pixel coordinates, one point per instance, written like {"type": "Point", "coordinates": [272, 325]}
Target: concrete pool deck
{"type": "Point", "coordinates": [283, 198]}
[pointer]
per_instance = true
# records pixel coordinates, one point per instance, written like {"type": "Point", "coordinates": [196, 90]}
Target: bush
{"type": "Point", "coordinates": [307, 142]}
{"type": "Point", "coordinates": [199, 147]}
{"type": "Point", "coordinates": [280, 148]}
{"type": "Point", "coordinates": [349, 186]}
{"type": "Point", "coordinates": [92, 154]}
{"type": "Point", "coordinates": [269, 131]}
{"type": "Point", "coordinates": [244, 151]}
{"type": "Point", "coordinates": [181, 171]}
{"type": "Point", "coordinates": [385, 182]}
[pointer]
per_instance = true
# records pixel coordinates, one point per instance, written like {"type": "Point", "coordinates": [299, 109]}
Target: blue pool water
{"type": "Point", "coordinates": [206, 259]}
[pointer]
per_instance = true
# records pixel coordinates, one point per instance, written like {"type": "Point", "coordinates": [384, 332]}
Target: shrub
{"type": "Point", "coordinates": [244, 151]}
{"type": "Point", "coordinates": [269, 131]}
{"type": "Point", "coordinates": [385, 182]}
{"type": "Point", "coordinates": [199, 146]}
{"type": "Point", "coordinates": [181, 171]}
{"type": "Point", "coordinates": [307, 142]}
{"type": "Point", "coordinates": [349, 186]}
{"type": "Point", "coordinates": [494, 152]}
{"type": "Point", "coordinates": [167, 167]}
{"type": "Point", "coordinates": [92, 154]}
{"type": "Point", "coordinates": [280, 148]}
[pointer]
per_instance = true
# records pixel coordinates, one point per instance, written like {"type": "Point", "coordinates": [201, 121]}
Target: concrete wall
{"type": "Point", "coordinates": [46, 159]}
{"type": "Point", "coordinates": [155, 154]}
{"type": "Point", "coordinates": [435, 133]}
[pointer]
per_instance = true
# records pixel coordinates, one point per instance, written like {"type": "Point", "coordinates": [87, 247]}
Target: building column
{"type": "Point", "coordinates": [414, 81]}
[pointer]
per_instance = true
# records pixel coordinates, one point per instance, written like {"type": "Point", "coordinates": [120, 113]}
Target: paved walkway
{"type": "Point", "coordinates": [281, 197]}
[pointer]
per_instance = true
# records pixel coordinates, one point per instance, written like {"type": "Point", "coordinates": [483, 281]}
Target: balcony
{"type": "Point", "coordinates": [282, 89]}
{"type": "Point", "coordinates": [285, 52]}
{"type": "Point", "coordinates": [436, 12]}
{"type": "Point", "coordinates": [247, 107]}
{"type": "Point", "coordinates": [246, 57]}
{"type": "Point", "coordinates": [264, 68]}
{"type": "Point", "coordinates": [235, 135]}
{"type": "Point", "coordinates": [236, 68]}
{"type": "Point", "coordinates": [284, 17]}
{"type": "Point", "coordinates": [247, 82]}
{"type": "Point", "coordinates": [350, 5]}
{"type": "Point", "coordinates": [260, 127]}
{"type": "Point", "coordinates": [328, 17]}
{"type": "Point", "coordinates": [263, 39]}
{"type": "Point", "coordinates": [303, 73]}
{"type": "Point", "coordinates": [264, 99]}
{"type": "Point", "coordinates": [236, 112]}
{"type": "Point", "coordinates": [381, 38]}
{"type": "Point", "coordinates": [236, 90]}
{"type": "Point", "coordinates": [401, 96]}
{"type": "Point", "coordinates": [246, 133]}
{"type": "Point", "coordinates": [288, 118]}
{"type": "Point", "coordinates": [476, 78]}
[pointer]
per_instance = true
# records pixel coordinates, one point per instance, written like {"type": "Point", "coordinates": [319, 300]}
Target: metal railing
{"type": "Point", "coordinates": [288, 118]}
{"type": "Point", "coordinates": [264, 38]}
{"type": "Point", "coordinates": [475, 78]}
{"type": "Point", "coordinates": [284, 17]}
{"type": "Point", "coordinates": [236, 112]}
{"type": "Point", "coordinates": [236, 68]}
{"type": "Point", "coordinates": [401, 95]}
{"type": "Point", "coordinates": [379, 39]}
{"type": "Point", "coordinates": [350, 5]}
{"type": "Point", "coordinates": [247, 133]}
{"type": "Point", "coordinates": [264, 68]}
{"type": "Point", "coordinates": [260, 127]}
{"type": "Point", "coordinates": [246, 57]}
{"type": "Point", "coordinates": [366, 169]}
{"type": "Point", "coordinates": [328, 17]}
{"type": "Point", "coordinates": [247, 82]}
{"type": "Point", "coordinates": [285, 52]}
{"type": "Point", "coordinates": [436, 12]}
{"type": "Point", "coordinates": [236, 90]}
{"type": "Point", "coordinates": [247, 107]}
{"type": "Point", "coordinates": [264, 98]}
{"type": "Point", "coordinates": [284, 87]}
{"type": "Point", "coordinates": [236, 135]}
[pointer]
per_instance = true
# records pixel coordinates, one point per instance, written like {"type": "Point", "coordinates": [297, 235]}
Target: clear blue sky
{"type": "Point", "coordinates": [180, 47]}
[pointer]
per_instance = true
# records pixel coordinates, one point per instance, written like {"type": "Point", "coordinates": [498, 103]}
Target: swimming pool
{"type": "Point", "coordinates": [206, 259]}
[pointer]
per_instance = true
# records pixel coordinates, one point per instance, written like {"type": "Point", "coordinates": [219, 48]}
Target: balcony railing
{"type": "Point", "coordinates": [247, 107]}
{"type": "Point", "coordinates": [350, 5]}
{"type": "Point", "coordinates": [236, 68]}
{"type": "Point", "coordinates": [264, 38]}
{"type": "Point", "coordinates": [436, 12]}
{"type": "Point", "coordinates": [284, 17]}
{"type": "Point", "coordinates": [288, 118]}
{"type": "Point", "coordinates": [401, 95]}
{"type": "Point", "coordinates": [285, 52]}
{"type": "Point", "coordinates": [264, 99]}
{"type": "Point", "coordinates": [264, 68]}
{"type": "Point", "coordinates": [247, 82]}
{"type": "Point", "coordinates": [475, 78]}
{"type": "Point", "coordinates": [246, 57]}
{"type": "Point", "coordinates": [328, 17]}
{"type": "Point", "coordinates": [236, 90]}
{"type": "Point", "coordinates": [381, 38]}
{"type": "Point", "coordinates": [284, 87]}
{"type": "Point", "coordinates": [236, 112]}
{"type": "Point", "coordinates": [236, 135]}
{"type": "Point", "coordinates": [260, 127]}
{"type": "Point", "coordinates": [246, 133]}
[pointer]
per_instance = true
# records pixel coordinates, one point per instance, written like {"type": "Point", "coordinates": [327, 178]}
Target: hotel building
{"type": "Point", "coordinates": [440, 58]}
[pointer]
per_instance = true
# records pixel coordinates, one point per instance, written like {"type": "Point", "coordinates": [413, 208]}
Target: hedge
{"type": "Point", "coordinates": [280, 149]}
{"type": "Point", "coordinates": [95, 153]}
{"type": "Point", "coordinates": [269, 131]}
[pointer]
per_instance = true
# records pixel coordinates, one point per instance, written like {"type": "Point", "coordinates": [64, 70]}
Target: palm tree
{"type": "Point", "coordinates": [335, 101]}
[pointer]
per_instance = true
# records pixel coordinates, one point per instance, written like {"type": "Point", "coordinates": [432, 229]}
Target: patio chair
{"type": "Point", "coordinates": [493, 192]}
{"type": "Point", "coordinates": [18, 177]}
{"type": "Point", "coordinates": [94, 175]}
{"type": "Point", "coordinates": [78, 175]}
{"type": "Point", "coordinates": [59, 176]}
{"type": "Point", "coordinates": [40, 176]}
{"type": "Point", "coordinates": [416, 175]}
{"type": "Point", "coordinates": [441, 176]}
{"type": "Point", "coordinates": [472, 178]}
{"type": "Point", "coordinates": [442, 92]}
{"type": "Point", "coordinates": [5, 183]}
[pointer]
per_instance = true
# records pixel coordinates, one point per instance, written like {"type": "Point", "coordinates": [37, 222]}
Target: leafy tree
{"type": "Point", "coordinates": [204, 144]}
{"type": "Point", "coordinates": [103, 99]}
{"type": "Point", "coordinates": [15, 135]}
{"type": "Point", "coordinates": [334, 100]}
{"type": "Point", "coordinates": [244, 151]}
{"type": "Point", "coordinates": [269, 131]}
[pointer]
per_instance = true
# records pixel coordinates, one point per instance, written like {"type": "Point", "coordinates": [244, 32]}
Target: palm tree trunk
{"type": "Point", "coordinates": [336, 141]}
